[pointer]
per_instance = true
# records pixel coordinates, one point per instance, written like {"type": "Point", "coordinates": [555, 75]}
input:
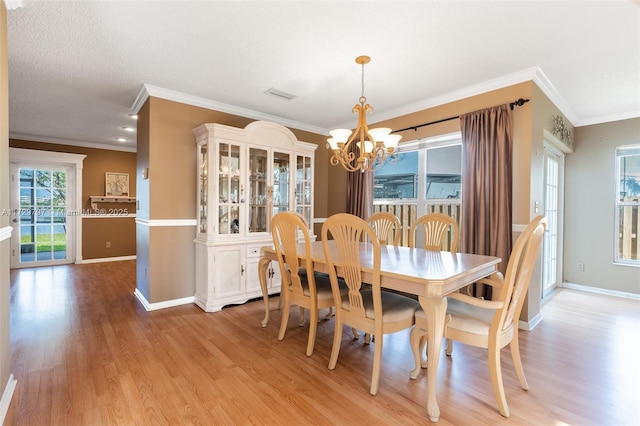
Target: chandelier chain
{"type": "Point", "coordinates": [362, 97]}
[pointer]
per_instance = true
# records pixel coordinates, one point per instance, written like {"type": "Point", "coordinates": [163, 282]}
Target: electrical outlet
{"type": "Point", "coordinates": [581, 266]}
{"type": "Point", "coordinates": [108, 244]}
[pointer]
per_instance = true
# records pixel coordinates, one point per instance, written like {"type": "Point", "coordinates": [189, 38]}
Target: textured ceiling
{"type": "Point", "coordinates": [76, 67]}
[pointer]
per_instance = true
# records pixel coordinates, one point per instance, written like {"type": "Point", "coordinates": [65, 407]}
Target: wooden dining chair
{"type": "Point", "coordinates": [300, 285]}
{"type": "Point", "coordinates": [386, 226]}
{"type": "Point", "coordinates": [366, 308]}
{"type": "Point", "coordinates": [490, 324]}
{"type": "Point", "coordinates": [434, 228]}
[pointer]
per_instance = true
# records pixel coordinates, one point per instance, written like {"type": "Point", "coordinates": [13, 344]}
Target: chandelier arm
{"type": "Point", "coordinates": [348, 165]}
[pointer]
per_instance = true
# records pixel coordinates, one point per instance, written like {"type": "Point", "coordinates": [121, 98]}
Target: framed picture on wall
{"type": "Point", "coordinates": [117, 184]}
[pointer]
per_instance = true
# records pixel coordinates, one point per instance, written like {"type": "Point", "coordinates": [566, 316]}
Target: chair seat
{"type": "Point", "coordinates": [465, 317]}
{"type": "Point", "coordinates": [323, 285]}
{"type": "Point", "coordinates": [394, 306]}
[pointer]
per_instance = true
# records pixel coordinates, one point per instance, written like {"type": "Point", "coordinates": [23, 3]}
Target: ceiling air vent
{"type": "Point", "coordinates": [280, 94]}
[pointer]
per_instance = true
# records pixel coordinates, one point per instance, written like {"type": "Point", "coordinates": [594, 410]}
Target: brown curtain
{"type": "Point", "coordinates": [485, 226]}
{"type": "Point", "coordinates": [360, 194]}
{"type": "Point", "coordinates": [359, 191]}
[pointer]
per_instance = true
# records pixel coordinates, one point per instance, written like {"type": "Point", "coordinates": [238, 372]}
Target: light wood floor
{"type": "Point", "coordinates": [85, 352]}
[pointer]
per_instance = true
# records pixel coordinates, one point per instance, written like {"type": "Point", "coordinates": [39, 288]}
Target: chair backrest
{"type": "Point", "coordinates": [518, 275]}
{"type": "Point", "coordinates": [285, 227]}
{"type": "Point", "coordinates": [435, 228]}
{"type": "Point", "coordinates": [387, 227]}
{"type": "Point", "coordinates": [347, 232]}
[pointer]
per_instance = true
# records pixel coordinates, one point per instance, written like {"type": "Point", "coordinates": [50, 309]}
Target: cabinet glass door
{"type": "Point", "coordinates": [303, 187]}
{"type": "Point", "coordinates": [229, 189]}
{"type": "Point", "coordinates": [257, 190]}
{"type": "Point", "coordinates": [281, 173]}
{"type": "Point", "coordinates": [202, 193]}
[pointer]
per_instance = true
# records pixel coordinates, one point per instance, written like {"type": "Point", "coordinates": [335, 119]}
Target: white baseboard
{"type": "Point", "coordinates": [6, 397]}
{"type": "Point", "coordinates": [601, 291]}
{"type": "Point", "coordinates": [109, 259]}
{"type": "Point", "coordinates": [531, 324]}
{"type": "Point", "coordinates": [162, 305]}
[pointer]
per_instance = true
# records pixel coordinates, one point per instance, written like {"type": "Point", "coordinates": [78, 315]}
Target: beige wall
{"type": "Point", "coordinates": [166, 145]}
{"type": "Point", "coordinates": [589, 207]}
{"type": "Point", "coordinates": [120, 232]}
{"type": "Point", "coordinates": [5, 342]}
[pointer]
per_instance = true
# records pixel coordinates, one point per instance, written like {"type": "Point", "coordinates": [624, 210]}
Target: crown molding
{"type": "Point", "coordinates": [543, 82]}
{"type": "Point", "coordinates": [13, 4]}
{"type": "Point", "coordinates": [60, 141]}
{"type": "Point", "coordinates": [609, 118]}
{"type": "Point", "coordinates": [534, 74]}
{"type": "Point", "coordinates": [466, 92]}
{"type": "Point", "coordinates": [172, 95]}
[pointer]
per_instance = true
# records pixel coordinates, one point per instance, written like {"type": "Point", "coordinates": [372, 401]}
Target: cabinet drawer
{"type": "Point", "coordinates": [254, 251]}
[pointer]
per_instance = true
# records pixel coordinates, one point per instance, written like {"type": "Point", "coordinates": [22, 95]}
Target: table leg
{"type": "Point", "coordinates": [263, 265]}
{"type": "Point", "coordinates": [435, 309]}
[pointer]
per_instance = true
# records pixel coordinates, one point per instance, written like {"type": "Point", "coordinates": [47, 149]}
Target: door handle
{"type": "Point", "coordinates": [15, 220]}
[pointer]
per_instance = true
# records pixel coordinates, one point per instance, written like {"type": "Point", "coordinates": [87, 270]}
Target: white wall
{"type": "Point", "coordinates": [589, 207]}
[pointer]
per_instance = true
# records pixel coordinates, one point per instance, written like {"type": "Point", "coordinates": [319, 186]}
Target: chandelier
{"type": "Point", "coordinates": [373, 146]}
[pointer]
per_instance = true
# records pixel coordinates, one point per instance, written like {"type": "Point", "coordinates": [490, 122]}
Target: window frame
{"type": "Point", "coordinates": [620, 152]}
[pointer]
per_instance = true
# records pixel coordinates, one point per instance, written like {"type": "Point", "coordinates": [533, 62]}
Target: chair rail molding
{"type": "Point", "coordinates": [5, 233]}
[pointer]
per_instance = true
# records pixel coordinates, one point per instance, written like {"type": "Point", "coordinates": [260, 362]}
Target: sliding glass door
{"type": "Point", "coordinates": [39, 215]}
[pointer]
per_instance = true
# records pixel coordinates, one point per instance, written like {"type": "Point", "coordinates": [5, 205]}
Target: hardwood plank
{"type": "Point", "coordinates": [85, 352]}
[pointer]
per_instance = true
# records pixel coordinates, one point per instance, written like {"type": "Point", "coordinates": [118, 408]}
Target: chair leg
{"type": "Point", "coordinates": [284, 321]}
{"type": "Point", "coordinates": [449, 348]}
{"type": "Point", "coordinates": [301, 317]}
{"type": "Point", "coordinates": [377, 363]}
{"type": "Point", "coordinates": [423, 347]}
{"type": "Point", "coordinates": [356, 335]}
{"type": "Point", "coordinates": [337, 340]}
{"type": "Point", "coordinates": [517, 361]}
{"type": "Point", "coordinates": [496, 380]}
{"type": "Point", "coordinates": [313, 326]}
{"type": "Point", "coordinates": [330, 313]}
{"type": "Point", "coordinates": [417, 338]}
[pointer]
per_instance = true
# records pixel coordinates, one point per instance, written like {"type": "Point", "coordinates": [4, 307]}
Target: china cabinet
{"type": "Point", "coordinates": [245, 176]}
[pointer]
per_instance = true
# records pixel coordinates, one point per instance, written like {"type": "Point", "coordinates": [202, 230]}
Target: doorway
{"type": "Point", "coordinates": [45, 217]}
{"type": "Point", "coordinates": [553, 202]}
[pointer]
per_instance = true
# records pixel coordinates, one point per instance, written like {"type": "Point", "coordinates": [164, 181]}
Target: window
{"type": "Point", "coordinates": [429, 165]}
{"type": "Point", "coordinates": [398, 178]}
{"type": "Point", "coordinates": [424, 177]}
{"type": "Point", "coordinates": [627, 248]}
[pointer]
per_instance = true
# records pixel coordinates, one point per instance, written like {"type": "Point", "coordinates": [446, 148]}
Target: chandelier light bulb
{"type": "Point", "coordinates": [391, 142]}
{"type": "Point", "coordinates": [368, 147]}
{"type": "Point", "coordinates": [379, 134]}
{"type": "Point", "coordinates": [340, 135]}
{"type": "Point", "coordinates": [333, 143]}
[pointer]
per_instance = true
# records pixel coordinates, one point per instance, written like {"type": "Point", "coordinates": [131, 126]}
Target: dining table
{"type": "Point", "coordinates": [430, 275]}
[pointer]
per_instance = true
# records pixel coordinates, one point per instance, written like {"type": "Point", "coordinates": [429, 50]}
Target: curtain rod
{"type": "Point", "coordinates": [513, 104]}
